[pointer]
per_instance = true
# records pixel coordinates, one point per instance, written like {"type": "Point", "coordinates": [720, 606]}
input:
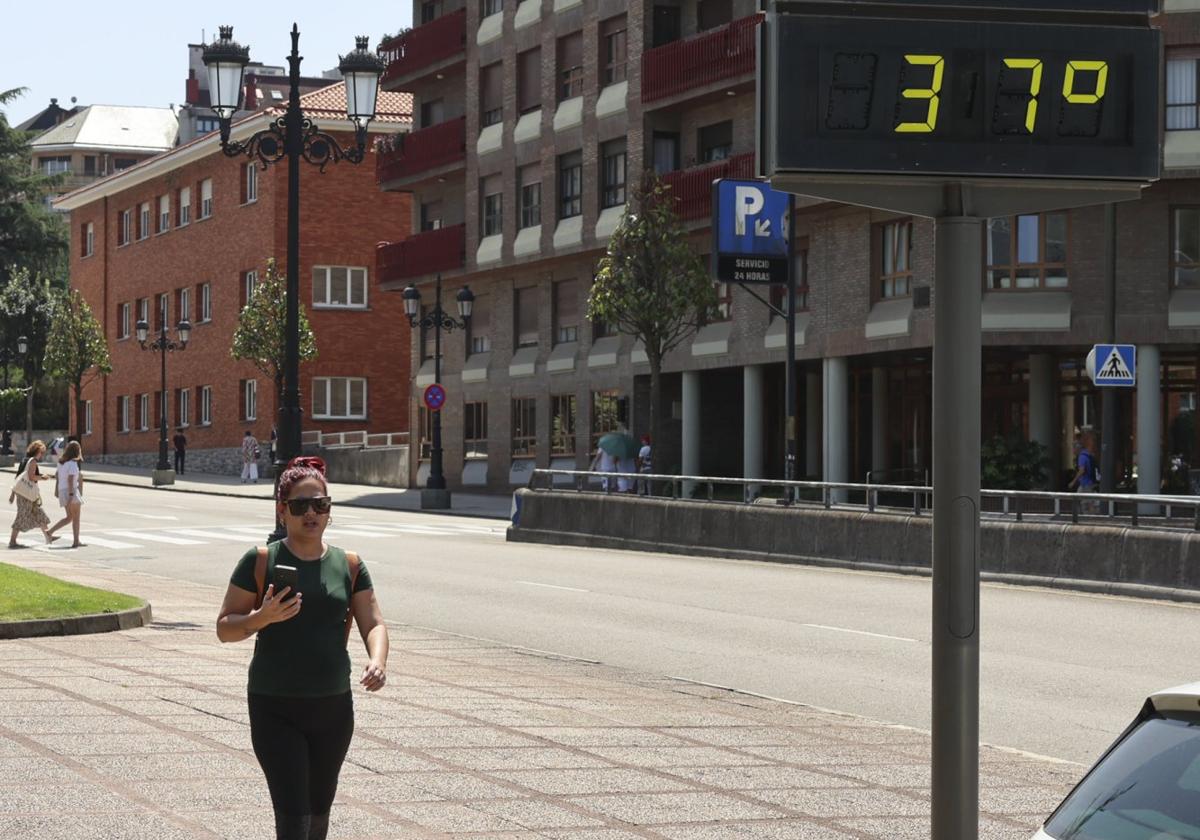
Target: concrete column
{"type": "Point", "coordinates": [1041, 406]}
{"type": "Point", "coordinates": [690, 442]}
{"type": "Point", "coordinates": [1149, 424]}
{"type": "Point", "coordinates": [752, 426]}
{"type": "Point", "coordinates": [836, 425]}
{"type": "Point", "coordinates": [812, 423]}
{"type": "Point", "coordinates": [879, 422]}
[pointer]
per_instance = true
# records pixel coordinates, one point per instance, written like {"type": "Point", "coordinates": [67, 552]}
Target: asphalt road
{"type": "Point", "coordinates": [1063, 673]}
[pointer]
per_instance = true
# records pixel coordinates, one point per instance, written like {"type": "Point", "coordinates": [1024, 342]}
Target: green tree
{"type": "Point", "coordinates": [1013, 463]}
{"type": "Point", "coordinates": [75, 347]}
{"type": "Point", "coordinates": [26, 305]}
{"type": "Point", "coordinates": [261, 334]}
{"type": "Point", "coordinates": [652, 284]}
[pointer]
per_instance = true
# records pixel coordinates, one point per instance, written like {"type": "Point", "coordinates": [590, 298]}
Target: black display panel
{"type": "Point", "coordinates": [1143, 7]}
{"type": "Point", "coordinates": [956, 98]}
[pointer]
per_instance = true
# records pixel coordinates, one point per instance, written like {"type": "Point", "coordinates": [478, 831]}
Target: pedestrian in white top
{"type": "Point", "coordinates": [645, 463]}
{"type": "Point", "coordinates": [605, 463]}
{"type": "Point", "coordinates": [250, 455]}
{"type": "Point", "coordinates": [70, 489]}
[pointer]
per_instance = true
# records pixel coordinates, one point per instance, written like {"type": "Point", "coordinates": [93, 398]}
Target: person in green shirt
{"type": "Point", "coordinates": [301, 712]}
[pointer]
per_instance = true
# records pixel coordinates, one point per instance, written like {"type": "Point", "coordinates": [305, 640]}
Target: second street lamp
{"type": "Point", "coordinates": [163, 473]}
{"type": "Point", "coordinates": [435, 495]}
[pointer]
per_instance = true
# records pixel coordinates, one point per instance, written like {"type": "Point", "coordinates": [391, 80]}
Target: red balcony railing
{"type": "Point", "coordinates": [421, 151]}
{"type": "Point", "coordinates": [692, 188]}
{"type": "Point", "coordinates": [424, 253]}
{"type": "Point", "coordinates": [424, 46]}
{"type": "Point", "coordinates": [701, 60]}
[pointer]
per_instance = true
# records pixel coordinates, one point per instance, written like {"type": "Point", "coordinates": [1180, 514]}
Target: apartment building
{"type": "Point", "coordinates": [187, 235]}
{"type": "Point", "coordinates": [530, 121]}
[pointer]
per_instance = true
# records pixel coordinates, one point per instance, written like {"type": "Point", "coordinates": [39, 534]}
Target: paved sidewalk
{"type": "Point", "coordinates": [354, 495]}
{"type": "Point", "coordinates": [142, 734]}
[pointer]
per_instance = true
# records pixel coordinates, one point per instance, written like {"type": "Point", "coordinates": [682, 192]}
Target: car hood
{"type": "Point", "coordinates": [1041, 835]}
{"type": "Point", "coordinates": [1181, 698]}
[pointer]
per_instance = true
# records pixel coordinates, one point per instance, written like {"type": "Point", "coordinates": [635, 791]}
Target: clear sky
{"type": "Point", "coordinates": [135, 52]}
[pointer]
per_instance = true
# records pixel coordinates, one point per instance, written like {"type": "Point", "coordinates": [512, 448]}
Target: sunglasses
{"type": "Point", "coordinates": [319, 504]}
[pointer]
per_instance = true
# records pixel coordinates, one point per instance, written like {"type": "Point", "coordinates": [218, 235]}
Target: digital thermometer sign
{"type": "Point", "coordinates": [964, 98]}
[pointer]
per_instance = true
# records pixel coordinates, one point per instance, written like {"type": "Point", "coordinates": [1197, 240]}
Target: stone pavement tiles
{"type": "Point", "coordinates": [143, 734]}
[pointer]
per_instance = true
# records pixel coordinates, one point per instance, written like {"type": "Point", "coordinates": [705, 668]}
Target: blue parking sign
{"type": "Point", "coordinates": [752, 227]}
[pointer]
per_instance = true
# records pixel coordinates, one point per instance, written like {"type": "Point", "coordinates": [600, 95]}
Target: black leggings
{"type": "Point", "coordinates": [301, 743]}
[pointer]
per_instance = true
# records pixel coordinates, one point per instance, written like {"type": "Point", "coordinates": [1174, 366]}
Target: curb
{"type": "Point", "coordinates": [77, 625]}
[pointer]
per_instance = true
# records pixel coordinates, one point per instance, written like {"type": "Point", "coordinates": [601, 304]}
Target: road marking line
{"type": "Point", "coordinates": [349, 532]}
{"type": "Point", "coordinates": [861, 633]}
{"type": "Point", "coordinates": [162, 538]}
{"type": "Point", "coordinates": [552, 586]}
{"type": "Point", "coordinates": [396, 530]}
{"type": "Point", "coordinates": [92, 539]}
{"type": "Point", "coordinates": [147, 515]}
{"type": "Point", "coordinates": [216, 535]}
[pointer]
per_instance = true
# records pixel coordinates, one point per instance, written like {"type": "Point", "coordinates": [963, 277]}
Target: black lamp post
{"type": "Point", "coordinates": [435, 495]}
{"type": "Point", "coordinates": [294, 137]}
{"type": "Point", "coordinates": [22, 349]}
{"type": "Point", "coordinates": [164, 473]}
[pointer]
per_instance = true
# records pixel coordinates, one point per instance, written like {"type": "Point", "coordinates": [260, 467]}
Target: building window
{"type": "Point", "coordinates": [724, 301]}
{"type": "Point", "coordinates": [183, 302]}
{"type": "Point", "coordinates": [612, 50]}
{"type": "Point", "coordinates": [144, 220]}
{"type": "Point", "coordinates": [526, 316]}
{"type": "Point", "coordinates": [87, 417]}
{"type": "Point", "coordinates": [492, 215]}
{"type": "Point", "coordinates": [123, 321]}
{"type": "Point", "coordinates": [183, 213]}
{"type": "Point", "coordinates": [431, 10]}
{"type": "Point", "coordinates": [530, 179]}
{"type": "Point", "coordinates": [144, 310]}
{"type": "Point", "coordinates": [429, 334]}
{"type": "Point", "coordinates": [340, 286]}
{"type": "Point", "coordinates": [491, 94]}
{"type": "Point", "coordinates": [164, 213]}
{"type": "Point", "coordinates": [1027, 252]}
{"type": "Point", "coordinates": [183, 407]}
{"type": "Point", "coordinates": [89, 164]}
{"type": "Point", "coordinates": [1183, 105]}
{"type": "Point", "coordinates": [339, 398]}
{"type": "Point", "coordinates": [163, 312]}
{"type": "Point", "coordinates": [475, 430]}
{"type": "Point", "coordinates": [207, 125]}
{"type": "Point", "coordinates": [716, 141]}
{"type": "Point", "coordinates": [524, 427]}
{"type": "Point", "coordinates": [205, 405]}
{"type": "Point", "coordinates": [895, 260]}
{"type": "Point", "coordinates": [432, 112]}
{"type": "Point", "coordinates": [205, 302]}
{"type": "Point", "coordinates": [122, 414]}
{"type": "Point", "coordinates": [206, 198]}
{"type": "Point", "coordinates": [424, 433]}
{"type": "Point", "coordinates": [250, 399]}
{"type": "Point", "coordinates": [56, 165]}
{"type": "Point", "coordinates": [566, 311]}
{"type": "Point", "coordinates": [249, 183]}
{"type": "Point", "coordinates": [1185, 247]}
{"type": "Point", "coordinates": [529, 81]}
{"type": "Point", "coordinates": [120, 164]}
{"type": "Point", "coordinates": [89, 239]}
{"type": "Point", "coordinates": [124, 226]}
{"type": "Point", "coordinates": [249, 281]}
{"type": "Point", "coordinates": [562, 426]}
{"type": "Point", "coordinates": [570, 66]}
{"type": "Point", "coordinates": [431, 216]}
{"type": "Point", "coordinates": [570, 185]}
{"type": "Point", "coordinates": [488, 8]}
{"type": "Point", "coordinates": [144, 412]}
{"type": "Point", "coordinates": [607, 410]}
{"type": "Point", "coordinates": [612, 174]}
{"type": "Point", "coordinates": [480, 325]}
{"type": "Point", "coordinates": [778, 295]}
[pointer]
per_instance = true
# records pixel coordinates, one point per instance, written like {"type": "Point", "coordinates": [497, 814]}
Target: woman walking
{"type": "Point", "coordinates": [70, 489]}
{"type": "Point", "coordinates": [29, 510]}
{"type": "Point", "coordinates": [301, 711]}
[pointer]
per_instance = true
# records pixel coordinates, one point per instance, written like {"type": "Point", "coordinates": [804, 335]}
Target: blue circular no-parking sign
{"type": "Point", "coordinates": [435, 397]}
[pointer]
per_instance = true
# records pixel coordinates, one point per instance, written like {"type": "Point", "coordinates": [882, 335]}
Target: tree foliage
{"type": "Point", "coordinates": [76, 350]}
{"type": "Point", "coordinates": [1013, 463]}
{"type": "Point", "coordinates": [261, 334]}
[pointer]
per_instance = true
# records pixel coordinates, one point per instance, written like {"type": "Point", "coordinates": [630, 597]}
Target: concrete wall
{"type": "Point", "coordinates": [1103, 558]}
{"type": "Point", "coordinates": [376, 467]}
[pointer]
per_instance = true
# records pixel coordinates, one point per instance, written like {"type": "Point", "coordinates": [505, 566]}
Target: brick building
{"type": "Point", "coordinates": [187, 234]}
{"type": "Point", "coordinates": [531, 118]}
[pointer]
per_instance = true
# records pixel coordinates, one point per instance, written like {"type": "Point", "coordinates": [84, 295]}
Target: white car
{"type": "Point", "coordinates": [1146, 786]}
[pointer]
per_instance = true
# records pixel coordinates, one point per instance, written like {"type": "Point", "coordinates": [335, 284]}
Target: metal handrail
{"type": "Point", "coordinates": [832, 493]}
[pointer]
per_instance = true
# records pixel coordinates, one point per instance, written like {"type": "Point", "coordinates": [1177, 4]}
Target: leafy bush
{"type": "Point", "coordinates": [1013, 463]}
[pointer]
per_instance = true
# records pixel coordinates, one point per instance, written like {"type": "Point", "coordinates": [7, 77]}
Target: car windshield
{"type": "Point", "coordinates": [1147, 788]}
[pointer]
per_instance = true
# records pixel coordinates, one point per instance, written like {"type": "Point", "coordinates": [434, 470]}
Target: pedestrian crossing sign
{"type": "Point", "coordinates": [1113, 365]}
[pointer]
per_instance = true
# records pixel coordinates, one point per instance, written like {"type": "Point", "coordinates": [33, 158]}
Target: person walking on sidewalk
{"type": "Point", "coordinates": [70, 489]}
{"type": "Point", "coordinates": [180, 442]}
{"type": "Point", "coordinates": [301, 710]}
{"type": "Point", "coordinates": [250, 455]}
{"type": "Point", "coordinates": [30, 513]}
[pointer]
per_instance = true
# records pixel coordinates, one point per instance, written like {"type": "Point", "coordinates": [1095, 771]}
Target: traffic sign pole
{"type": "Point", "coordinates": [789, 469]}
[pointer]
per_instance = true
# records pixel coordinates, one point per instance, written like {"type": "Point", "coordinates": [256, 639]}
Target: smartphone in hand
{"type": "Point", "coordinates": [286, 576]}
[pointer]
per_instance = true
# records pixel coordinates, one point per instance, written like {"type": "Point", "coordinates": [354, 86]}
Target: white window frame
{"type": "Point", "coordinates": [185, 304]}
{"type": "Point", "coordinates": [124, 236]}
{"type": "Point", "coordinates": [249, 281]}
{"type": "Point", "coordinates": [206, 198]}
{"type": "Point", "coordinates": [205, 405]}
{"type": "Point", "coordinates": [123, 414]}
{"type": "Point", "coordinates": [251, 183]}
{"type": "Point", "coordinates": [185, 407]}
{"type": "Point", "coordinates": [87, 417]}
{"type": "Point", "coordinates": [143, 412]}
{"type": "Point", "coordinates": [205, 302]}
{"type": "Point", "coordinates": [323, 290]}
{"type": "Point", "coordinates": [324, 385]}
{"type": "Point", "coordinates": [250, 398]}
{"type": "Point", "coordinates": [90, 240]}
{"type": "Point", "coordinates": [144, 221]}
{"type": "Point", "coordinates": [185, 206]}
{"type": "Point", "coordinates": [123, 324]}
{"type": "Point", "coordinates": [164, 213]}
{"type": "Point", "coordinates": [144, 310]}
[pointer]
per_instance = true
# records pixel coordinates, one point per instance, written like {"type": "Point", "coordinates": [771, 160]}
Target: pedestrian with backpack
{"type": "Point", "coordinates": [1085, 476]}
{"type": "Point", "coordinates": [300, 596]}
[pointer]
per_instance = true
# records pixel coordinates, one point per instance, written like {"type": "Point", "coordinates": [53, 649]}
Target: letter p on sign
{"type": "Point", "coordinates": [748, 201]}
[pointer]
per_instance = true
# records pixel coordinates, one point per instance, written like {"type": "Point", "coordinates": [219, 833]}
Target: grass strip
{"type": "Point", "coordinates": [28, 595]}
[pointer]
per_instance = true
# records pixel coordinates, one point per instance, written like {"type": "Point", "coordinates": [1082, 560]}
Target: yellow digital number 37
{"type": "Point", "coordinates": [932, 93]}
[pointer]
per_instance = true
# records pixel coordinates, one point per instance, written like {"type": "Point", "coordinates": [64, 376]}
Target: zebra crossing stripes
{"type": "Point", "coordinates": [155, 537]}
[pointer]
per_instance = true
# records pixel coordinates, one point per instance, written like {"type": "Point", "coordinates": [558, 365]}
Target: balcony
{"type": "Point", "coordinates": [424, 253]}
{"type": "Point", "coordinates": [701, 60]}
{"type": "Point", "coordinates": [422, 151]}
{"type": "Point", "coordinates": [692, 187]}
{"type": "Point", "coordinates": [410, 54]}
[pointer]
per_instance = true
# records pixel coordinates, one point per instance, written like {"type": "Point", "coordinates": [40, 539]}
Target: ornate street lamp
{"type": "Point", "coordinates": [22, 349]}
{"type": "Point", "coordinates": [164, 473]}
{"type": "Point", "coordinates": [294, 137]}
{"type": "Point", "coordinates": [435, 495]}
